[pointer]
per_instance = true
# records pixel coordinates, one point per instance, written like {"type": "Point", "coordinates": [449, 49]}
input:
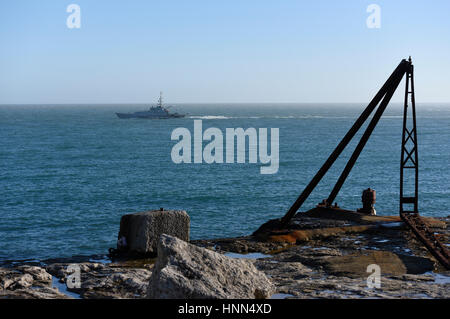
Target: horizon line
{"type": "Point", "coordinates": [203, 103]}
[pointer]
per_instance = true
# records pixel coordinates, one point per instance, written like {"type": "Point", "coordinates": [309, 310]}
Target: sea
{"type": "Point", "coordinates": [69, 172]}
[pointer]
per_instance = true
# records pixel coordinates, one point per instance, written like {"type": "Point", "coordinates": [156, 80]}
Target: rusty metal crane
{"type": "Point", "coordinates": [409, 162]}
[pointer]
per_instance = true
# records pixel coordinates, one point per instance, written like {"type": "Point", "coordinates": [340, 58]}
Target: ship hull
{"type": "Point", "coordinates": [146, 116]}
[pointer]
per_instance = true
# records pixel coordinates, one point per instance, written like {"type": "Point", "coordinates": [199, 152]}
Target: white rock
{"type": "Point", "coordinates": [185, 271]}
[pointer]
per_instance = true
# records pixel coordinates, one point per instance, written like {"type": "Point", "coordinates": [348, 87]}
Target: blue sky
{"type": "Point", "coordinates": [219, 51]}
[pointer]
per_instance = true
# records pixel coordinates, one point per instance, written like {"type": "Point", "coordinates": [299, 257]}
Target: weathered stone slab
{"type": "Point", "coordinates": [355, 265]}
{"type": "Point", "coordinates": [185, 271]}
{"type": "Point", "coordinates": [142, 230]}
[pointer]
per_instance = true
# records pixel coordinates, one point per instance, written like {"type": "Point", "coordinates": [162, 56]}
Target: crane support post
{"type": "Point", "coordinates": [364, 139]}
{"type": "Point", "coordinates": [409, 160]}
{"type": "Point", "coordinates": [391, 81]}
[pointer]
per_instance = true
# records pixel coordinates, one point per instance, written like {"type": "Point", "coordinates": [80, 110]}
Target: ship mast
{"type": "Point", "coordinates": [160, 99]}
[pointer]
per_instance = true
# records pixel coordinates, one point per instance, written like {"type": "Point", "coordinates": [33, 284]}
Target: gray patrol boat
{"type": "Point", "coordinates": [155, 112]}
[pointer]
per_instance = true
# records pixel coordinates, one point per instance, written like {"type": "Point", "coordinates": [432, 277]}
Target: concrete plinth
{"type": "Point", "coordinates": [141, 231]}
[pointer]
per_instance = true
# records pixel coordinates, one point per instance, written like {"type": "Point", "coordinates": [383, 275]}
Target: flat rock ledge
{"type": "Point", "coordinates": [27, 282]}
{"type": "Point", "coordinates": [185, 271]}
{"type": "Point", "coordinates": [329, 265]}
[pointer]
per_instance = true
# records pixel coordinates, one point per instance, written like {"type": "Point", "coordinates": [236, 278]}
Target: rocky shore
{"type": "Point", "coordinates": [319, 257]}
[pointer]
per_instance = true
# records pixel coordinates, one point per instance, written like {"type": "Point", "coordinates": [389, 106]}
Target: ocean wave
{"type": "Point", "coordinates": [221, 117]}
{"type": "Point", "coordinates": [273, 116]}
{"type": "Point", "coordinates": [211, 117]}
